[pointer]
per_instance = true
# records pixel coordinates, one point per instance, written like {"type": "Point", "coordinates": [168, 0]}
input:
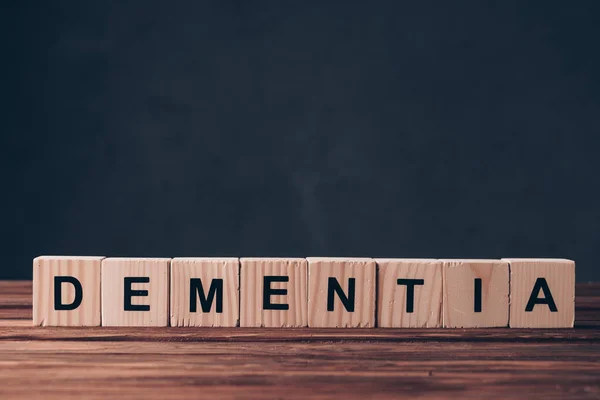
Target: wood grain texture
{"type": "Point", "coordinates": [205, 269]}
{"type": "Point", "coordinates": [272, 363]}
{"type": "Point", "coordinates": [253, 271]}
{"type": "Point", "coordinates": [459, 293]}
{"type": "Point", "coordinates": [392, 297]}
{"type": "Point", "coordinates": [86, 270]}
{"type": "Point", "coordinates": [559, 275]}
{"type": "Point", "coordinates": [114, 272]}
{"type": "Point", "coordinates": [16, 300]}
{"type": "Point", "coordinates": [362, 271]}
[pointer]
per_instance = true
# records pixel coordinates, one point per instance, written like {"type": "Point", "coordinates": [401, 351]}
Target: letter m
{"type": "Point", "coordinates": [196, 290]}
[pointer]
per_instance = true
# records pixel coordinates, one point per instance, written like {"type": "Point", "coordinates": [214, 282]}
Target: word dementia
{"type": "Point", "coordinates": [299, 292]}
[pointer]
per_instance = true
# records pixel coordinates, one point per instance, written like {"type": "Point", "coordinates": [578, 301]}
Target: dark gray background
{"type": "Point", "coordinates": [250, 128]}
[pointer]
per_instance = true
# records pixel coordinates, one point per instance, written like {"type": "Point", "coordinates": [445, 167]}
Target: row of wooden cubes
{"type": "Point", "coordinates": [298, 292]}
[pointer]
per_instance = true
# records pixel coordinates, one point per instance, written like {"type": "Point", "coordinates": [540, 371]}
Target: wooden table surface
{"type": "Point", "coordinates": [212, 363]}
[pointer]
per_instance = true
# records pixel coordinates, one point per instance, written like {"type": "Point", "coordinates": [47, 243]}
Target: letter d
{"type": "Point", "coordinates": [58, 281]}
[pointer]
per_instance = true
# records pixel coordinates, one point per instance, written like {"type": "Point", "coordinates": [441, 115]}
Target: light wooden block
{"type": "Point", "coordinates": [324, 274]}
{"type": "Point", "coordinates": [147, 282]}
{"type": "Point", "coordinates": [205, 292]}
{"type": "Point", "coordinates": [77, 282]}
{"type": "Point", "coordinates": [283, 302]}
{"type": "Point", "coordinates": [475, 293]}
{"type": "Point", "coordinates": [409, 293]}
{"type": "Point", "coordinates": [530, 279]}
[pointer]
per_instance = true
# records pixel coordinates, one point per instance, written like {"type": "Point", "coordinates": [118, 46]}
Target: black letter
{"type": "Point", "coordinates": [58, 305]}
{"type": "Point", "coordinates": [129, 293]}
{"type": "Point", "coordinates": [206, 302]}
{"type": "Point", "coordinates": [477, 305]}
{"type": "Point", "coordinates": [334, 286]}
{"type": "Point", "coordinates": [268, 292]}
{"type": "Point", "coordinates": [541, 283]}
{"type": "Point", "coordinates": [410, 292]}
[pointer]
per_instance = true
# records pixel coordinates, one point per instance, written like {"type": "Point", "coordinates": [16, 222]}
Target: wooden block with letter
{"type": "Point", "coordinates": [273, 292]}
{"type": "Point", "coordinates": [135, 291]}
{"type": "Point", "coordinates": [409, 293]}
{"type": "Point", "coordinates": [542, 293]}
{"type": "Point", "coordinates": [475, 293]}
{"type": "Point", "coordinates": [205, 292]}
{"type": "Point", "coordinates": [341, 292]}
{"type": "Point", "coordinates": [66, 291]}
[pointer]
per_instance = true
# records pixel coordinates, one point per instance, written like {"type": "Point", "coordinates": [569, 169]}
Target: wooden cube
{"type": "Point", "coordinates": [273, 292]}
{"type": "Point", "coordinates": [66, 291]}
{"type": "Point", "coordinates": [205, 292]}
{"type": "Point", "coordinates": [409, 293]}
{"type": "Point", "coordinates": [341, 292]}
{"type": "Point", "coordinates": [475, 293]}
{"type": "Point", "coordinates": [135, 291]}
{"type": "Point", "coordinates": [542, 293]}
